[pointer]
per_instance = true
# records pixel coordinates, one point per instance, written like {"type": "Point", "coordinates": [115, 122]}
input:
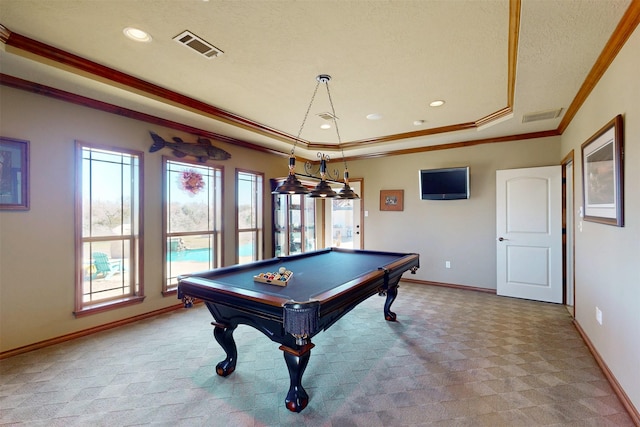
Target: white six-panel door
{"type": "Point", "coordinates": [529, 233]}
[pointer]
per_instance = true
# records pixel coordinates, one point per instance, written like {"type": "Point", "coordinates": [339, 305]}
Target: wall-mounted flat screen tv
{"type": "Point", "coordinates": [444, 184]}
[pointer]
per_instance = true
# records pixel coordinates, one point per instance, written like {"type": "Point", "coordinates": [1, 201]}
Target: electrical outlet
{"type": "Point", "coordinates": [598, 315]}
{"type": "Point", "coordinates": [447, 264]}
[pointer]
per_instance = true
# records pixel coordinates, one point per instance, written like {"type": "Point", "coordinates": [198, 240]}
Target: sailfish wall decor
{"type": "Point", "coordinates": [201, 150]}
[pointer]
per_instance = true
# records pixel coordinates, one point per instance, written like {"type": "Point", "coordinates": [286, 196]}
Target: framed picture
{"type": "Point", "coordinates": [602, 175]}
{"type": "Point", "coordinates": [391, 200]}
{"type": "Point", "coordinates": [14, 174]}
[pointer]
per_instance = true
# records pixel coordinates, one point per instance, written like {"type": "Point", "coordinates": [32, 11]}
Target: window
{"type": "Point", "coordinates": [249, 217]}
{"type": "Point", "coordinates": [192, 218]}
{"type": "Point", "coordinates": [108, 228]}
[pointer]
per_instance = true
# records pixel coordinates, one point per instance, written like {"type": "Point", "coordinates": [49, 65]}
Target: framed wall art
{"type": "Point", "coordinates": [603, 175]}
{"type": "Point", "coordinates": [391, 200]}
{"type": "Point", "coordinates": [14, 174]}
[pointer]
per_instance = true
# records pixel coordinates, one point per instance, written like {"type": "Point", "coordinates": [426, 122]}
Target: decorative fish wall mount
{"type": "Point", "coordinates": [201, 150]}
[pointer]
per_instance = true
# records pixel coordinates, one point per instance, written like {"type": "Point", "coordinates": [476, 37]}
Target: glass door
{"type": "Point", "coordinates": [345, 229]}
{"type": "Point", "coordinates": [295, 224]}
{"type": "Point", "coordinates": [280, 225]}
{"type": "Point", "coordinates": [309, 224]}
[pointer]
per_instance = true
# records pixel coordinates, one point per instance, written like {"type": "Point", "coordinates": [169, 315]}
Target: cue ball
{"type": "Point", "coordinates": [282, 270]}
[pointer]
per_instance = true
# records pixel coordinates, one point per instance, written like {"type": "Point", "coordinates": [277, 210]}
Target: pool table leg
{"type": "Point", "coordinates": [224, 335]}
{"type": "Point", "coordinates": [297, 360]}
{"type": "Point", "coordinates": [392, 293]}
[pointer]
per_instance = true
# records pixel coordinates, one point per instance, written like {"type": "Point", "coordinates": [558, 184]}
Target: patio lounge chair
{"type": "Point", "coordinates": [104, 266]}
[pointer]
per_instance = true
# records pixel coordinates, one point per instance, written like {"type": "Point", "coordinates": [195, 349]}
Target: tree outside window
{"type": "Point", "coordinates": [192, 218]}
{"type": "Point", "coordinates": [249, 216]}
{"type": "Point", "coordinates": [108, 228]}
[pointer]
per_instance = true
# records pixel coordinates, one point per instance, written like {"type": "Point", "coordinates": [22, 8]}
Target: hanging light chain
{"type": "Point", "coordinates": [292, 185]}
{"type": "Point", "coordinates": [346, 192]}
{"type": "Point", "coordinates": [313, 97]}
{"type": "Point", "coordinates": [335, 123]}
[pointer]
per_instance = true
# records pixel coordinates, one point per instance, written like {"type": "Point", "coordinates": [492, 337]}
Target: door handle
{"type": "Point", "coordinates": [500, 239]}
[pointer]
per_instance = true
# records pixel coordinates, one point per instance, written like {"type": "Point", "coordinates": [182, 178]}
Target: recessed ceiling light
{"type": "Point", "coordinates": [137, 34]}
{"type": "Point", "coordinates": [374, 116]}
{"type": "Point", "coordinates": [436, 103]}
{"type": "Point", "coordinates": [418, 122]}
{"type": "Point", "coordinates": [325, 126]}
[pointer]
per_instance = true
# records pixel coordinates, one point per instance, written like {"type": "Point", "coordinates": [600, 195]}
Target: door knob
{"type": "Point", "coordinates": [501, 239]}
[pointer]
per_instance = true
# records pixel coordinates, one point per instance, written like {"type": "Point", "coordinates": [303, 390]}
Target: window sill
{"type": "Point", "coordinates": [170, 292]}
{"type": "Point", "coordinates": [108, 306]}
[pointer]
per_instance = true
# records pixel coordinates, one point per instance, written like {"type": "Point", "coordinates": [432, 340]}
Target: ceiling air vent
{"type": "Point", "coordinates": [201, 46]}
{"type": "Point", "coordinates": [541, 115]}
{"type": "Point", "coordinates": [327, 116]}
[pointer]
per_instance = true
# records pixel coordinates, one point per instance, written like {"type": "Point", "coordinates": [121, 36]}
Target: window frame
{"type": "Point", "coordinates": [259, 229]}
{"type": "Point", "coordinates": [217, 233]}
{"type": "Point", "coordinates": [136, 263]}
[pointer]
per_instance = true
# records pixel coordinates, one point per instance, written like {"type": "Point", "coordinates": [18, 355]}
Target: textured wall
{"type": "Point", "coordinates": [607, 257]}
{"type": "Point", "coordinates": [459, 231]}
{"type": "Point", "coordinates": [37, 246]}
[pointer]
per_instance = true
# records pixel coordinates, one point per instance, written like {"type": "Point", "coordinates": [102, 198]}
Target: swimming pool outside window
{"type": "Point", "coordinates": [192, 219]}
{"type": "Point", "coordinates": [249, 216]}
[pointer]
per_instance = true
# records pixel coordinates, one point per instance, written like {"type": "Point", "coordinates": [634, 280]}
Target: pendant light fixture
{"type": "Point", "coordinates": [292, 184]}
{"type": "Point", "coordinates": [323, 189]}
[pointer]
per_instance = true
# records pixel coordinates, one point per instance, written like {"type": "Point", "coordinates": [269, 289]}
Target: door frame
{"type": "Point", "coordinates": [566, 260]}
{"type": "Point", "coordinates": [361, 213]}
{"type": "Point", "coordinates": [326, 222]}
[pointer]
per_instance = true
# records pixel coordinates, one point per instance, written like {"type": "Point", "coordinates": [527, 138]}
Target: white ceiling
{"type": "Point", "coordinates": [386, 57]}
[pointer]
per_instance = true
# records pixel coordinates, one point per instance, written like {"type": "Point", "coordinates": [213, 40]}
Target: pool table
{"type": "Point", "coordinates": [325, 285]}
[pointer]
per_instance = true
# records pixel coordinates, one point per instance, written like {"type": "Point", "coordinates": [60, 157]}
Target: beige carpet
{"type": "Point", "coordinates": [454, 358]}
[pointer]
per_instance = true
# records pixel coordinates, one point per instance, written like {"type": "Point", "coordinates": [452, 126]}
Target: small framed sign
{"type": "Point", "coordinates": [391, 200]}
{"type": "Point", "coordinates": [14, 174]}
